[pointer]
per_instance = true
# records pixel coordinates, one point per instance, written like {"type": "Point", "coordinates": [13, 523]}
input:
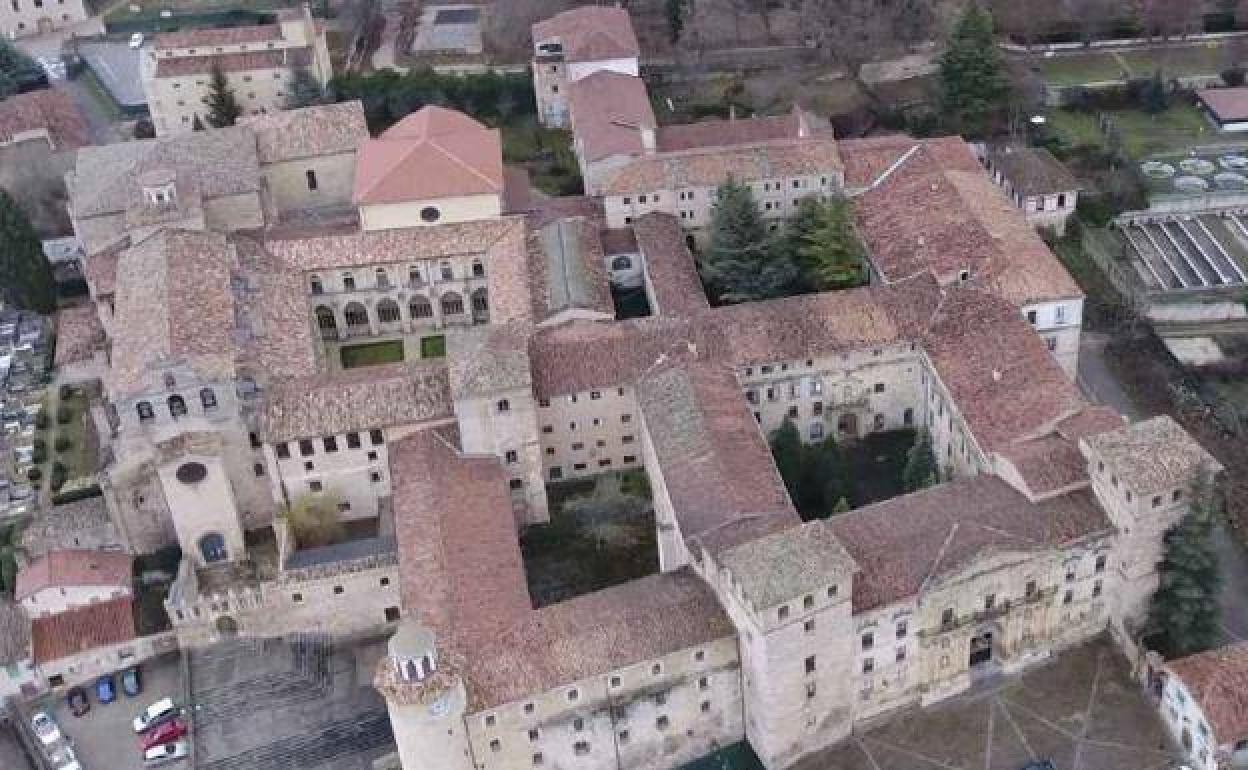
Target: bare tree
{"type": "Point", "coordinates": [855, 32]}
{"type": "Point", "coordinates": [1095, 17]}
{"type": "Point", "coordinates": [1023, 20]}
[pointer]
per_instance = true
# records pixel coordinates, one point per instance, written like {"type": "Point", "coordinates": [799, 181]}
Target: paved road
{"type": "Point", "coordinates": [1099, 384]}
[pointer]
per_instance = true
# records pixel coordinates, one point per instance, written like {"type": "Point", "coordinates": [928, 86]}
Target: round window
{"type": "Point", "coordinates": [190, 473]}
{"type": "Point", "coordinates": [430, 214]}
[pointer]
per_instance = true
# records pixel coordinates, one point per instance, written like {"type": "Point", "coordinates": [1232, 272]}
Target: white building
{"type": "Point", "coordinates": [22, 18]}
{"type": "Point", "coordinates": [573, 45]}
{"type": "Point", "coordinates": [1202, 705]}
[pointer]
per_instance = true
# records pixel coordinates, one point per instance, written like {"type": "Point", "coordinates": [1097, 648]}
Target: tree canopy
{"type": "Point", "coordinates": [742, 263]}
{"type": "Point", "coordinates": [313, 520]}
{"type": "Point", "coordinates": [388, 96]}
{"type": "Point", "coordinates": [1184, 610]}
{"type": "Point", "coordinates": [816, 475]}
{"type": "Point", "coordinates": [974, 86]}
{"type": "Point", "coordinates": [921, 469]}
{"type": "Point", "coordinates": [828, 249]}
{"type": "Point", "coordinates": [17, 70]}
{"type": "Point", "coordinates": [223, 107]}
{"type": "Point", "coordinates": [26, 278]}
{"type": "Point", "coordinates": [305, 90]}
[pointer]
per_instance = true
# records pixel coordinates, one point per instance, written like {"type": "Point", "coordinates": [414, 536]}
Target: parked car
{"type": "Point", "coordinates": [161, 711]}
{"type": "Point", "coordinates": [78, 701]}
{"type": "Point", "coordinates": [136, 40]}
{"type": "Point", "coordinates": [131, 681]}
{"type": "Point", "coordinates": [64, 759]}
{"type": "Point", "coordinates": [163, 733]}
{"type": "Point", "coordinates": [45, 728]}
{"type": "Point", "coordinates": [167, 752]}
{"type": "Point", "coordinates": [105, 692]}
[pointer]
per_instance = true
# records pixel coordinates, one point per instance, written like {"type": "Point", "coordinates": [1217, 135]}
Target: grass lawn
{"type": "Point", "coordinates": [1143, 134]}
{"type": "Point", "coordinates": [1176, 61]}
{"type": "Point", "coordinates": [372, 353]}
{"type": "Point", "coordinates": [738, 756]}
{"type": "Point", "coordinates": [1077, 69]}
{"type": "Point", "coordinates": [1173, 61]}
{"type": "Point", "coordinates": [545, 152]}
{"type": "Point", "coordinates": [877, 461]}
{"type": "Point", "coordinates": [433, 347]}
{"type": "Point", "coordinates": [79, 458]}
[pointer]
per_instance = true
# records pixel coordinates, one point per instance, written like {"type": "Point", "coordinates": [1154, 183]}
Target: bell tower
{"type": "Point", "coordinates": [426, 700]}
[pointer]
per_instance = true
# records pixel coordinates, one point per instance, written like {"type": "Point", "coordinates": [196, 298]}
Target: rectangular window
{"type": "Point", "coordinates": [868, 665]}
{"type": "Point", "coordinates": [868, 640]}
{"type": "Point", "coordinates": [946, 617]}
{"type": "Point", "coordinates": [283, 451]}
{"type": "Point", "coordinates": [353, 441]}
{"type": "Point", "coordinates": [902, 629]}
{"type": "Point", "coordinates": [331, 444]}
{"type": "Point", "coordinates": [315, 486]}
{"type": "Point", "coordinates": [305, 447]}
{"type": "Point", "coordinates": [375, 436]}
{"type": "Point", "coordinates": [810, 664]}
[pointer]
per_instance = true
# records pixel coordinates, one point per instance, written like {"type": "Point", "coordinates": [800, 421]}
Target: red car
{"type": "Point", "coordinates": [166, 732]}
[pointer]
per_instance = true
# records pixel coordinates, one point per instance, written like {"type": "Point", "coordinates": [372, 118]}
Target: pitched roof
{"type": "Point", "coordinates": [78, 334]}
{"type": "Point", "coordinates": [280, 58]}
{"type": "Point", "coordinates": [305, 249]}
{"type": "Point", "coordinates": [326, 129]}
{"type": "Point", "coordinates": [220, 162]}
{"type": "Point", "coordinates": [1156, 455]}
{"type": "Point", "coordinates": [716, 465]}
{"type": "Point", "coordinates": [608, 112]}
{"type": "Point", "coordinates": [1218, 681]}
{"type": "Point", "coordinates": [49, 109]}
{"type": "Point", "coordinates": [1228, 105]}
{"type": "Point", "coordinates": [213, 36]}
{"type": "Point", "coordinates": [62, 569]}
{"type": "Point", "coordinates": [568, 270]}
{"type": "Point", "coordinates": [902, 543]}
{"type": "Point", "coordinates": [432, 153]}
{"type": "Point", "coordinates": [1053, 464]}
{"type": "Point", "coordinates": [708, 167]}
{"type": "Point", "coordinates": [486, 360]}
{"type": "Point", "coordinates": [273, 337]}
{"type": "Point", "coordinates": [363, 398]}
{"type": "Point", "coordinates": [1031, 170]}
{"type": "Point", "coordinates": [717, 132]}
{"type": "Point", "coordinates": [591, 33]}
{"type": "Point", "coordinates": [593, 634]}
{"type": "Point", "coordinates": [81, 629]}
{"type": "Point", "coordinates": [174, 299]}
{"type": "Point", "coordinates": [786, 564]}
{"type": "Point", "coordinates": [670, 269]}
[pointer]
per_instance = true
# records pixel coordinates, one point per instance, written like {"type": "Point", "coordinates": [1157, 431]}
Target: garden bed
{"type": "Point", "coordinates": [371, 354]}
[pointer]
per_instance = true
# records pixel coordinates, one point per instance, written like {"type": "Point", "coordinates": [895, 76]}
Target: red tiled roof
{"type": "Point", "coordinates": [81, 629]}
{"type": "Point", "coordinates": [62, 569]}
{"type": "Point", "coordinates": [672, 274]}
{"type": "Point", "coordinates": [591, 33]}
{"type": "Point", "coordinates": [725, 133]}
{"type": "Point", "coordinates": [1218, 681]}
{"type": "Point", "coordinates": [608, 112]}
{"type": "Point", "coordinates": [234, 62]}
{"type": "Point", "coordinates": [191, 38]}
{"type": "Point", "coordinates": [78, 334]}
{"type": "Point", "coordinates": [1228, 105]}
{"type": "Point", "coordinates": [48, 109]}
{"type": "Point", "coordinates": [901, 543]}
{"type": "Point", "coordinates": [432, 153]}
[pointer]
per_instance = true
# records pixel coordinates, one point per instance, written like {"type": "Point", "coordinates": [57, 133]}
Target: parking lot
{"type": "Point", "coordinates": [1082, 712]}
{"type": "Point", "coordinates": [103, 738]}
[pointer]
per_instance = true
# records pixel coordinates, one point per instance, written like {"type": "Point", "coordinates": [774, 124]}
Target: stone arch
{"type": "Point", "coordinates": [388, 311]}
{"type": "Point", "coordinates": [420, 307]}
{"type": "Point", "coordinates": [481, 305]}
{"type": "Point", "coordinates": [356, 316]}
{"type": "Point", "coordinates": [452, 304]}
{"type": "Point", "coordinates": [326, 322]}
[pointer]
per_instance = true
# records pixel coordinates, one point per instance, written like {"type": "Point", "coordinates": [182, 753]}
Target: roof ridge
{"type": "Point", "coordinates": [452, 156]}
{"type": "Point", "coordinates": [940, 555]}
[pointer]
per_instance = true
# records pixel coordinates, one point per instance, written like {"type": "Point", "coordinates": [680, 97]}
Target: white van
{"type": "Point", "coordinates": [160, 711]}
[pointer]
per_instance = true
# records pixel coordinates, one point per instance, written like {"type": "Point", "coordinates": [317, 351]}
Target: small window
{"type": "Point", "coordinates": [1069, 597]}
{"type": "Point", "coordinates": [258, 469]}
{"type": "Point", "coordinates": [503, 405]}
{"type": "Point", "coordinates": [283, 451]}
{"type": "Point", "coordinates": [310, 175]}
{"type": "Point", "coordinates": [331, 444]}
{"type": "Point", "coordinates": [868, 640]}
{"type": "Point", "coordinates": [305, 447]}
{"type": "Point", "coordinates": [578, 724]}
{"type": "Point", "coordinates": [353, 440]}
{"type": "Point", "coordinates": [515, 485]}
{"type": "Point", "coordinates": [810, 664]}
{"type": "Point", "coordinates": [430, 214]}
{"type": "Point", "coordinates": [315, 486]}
{"type": "Point", "coordinates": [868, 665]}
{"type": "Point", "coordinates": [1031, 588]}
{"type": "Point", "coordinates": [902, 629]}
{"type": "Point", "coordinates": [534, 735]}
{"type": "Point", "coordinates": [145, 410]}
{"type": "Point", "coordinates": [662, 722]}
{"type": "Point", "coordinates": [1100, 562]}
{"type": "Point", "coordinates": [511, 457]}
{"type": "Point", "coordinates": [783, 612]}
{"type": "Point", "coordinates": [495, 745]}
{"type": "Point", "coordinates": [375, 437]}
{"type": "Point", "coordinates": [208, 399]}
{"type": "Point", "coordinates": [946, 617]}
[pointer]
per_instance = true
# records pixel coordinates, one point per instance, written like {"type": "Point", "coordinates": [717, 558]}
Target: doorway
{"type": "Point", "coordinates": [981, 649]}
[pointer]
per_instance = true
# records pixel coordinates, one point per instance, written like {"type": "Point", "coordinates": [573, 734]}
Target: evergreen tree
{"type": "Point", "coordinates": [829, 253]}
{"type": "Point", "coordinates": [305, 90]}
{"type": "Point", "coordinates": [921, 469]}
{"type": "Point", "coordinates": [973, 82]}
{"type": "Point", "coordinates": [841, 506]}
{"type": "Point", "coordinates": [25, 276]}
{"type": "Point", "coordinates": [16, 70]}
{"type": "Point", "coordinates": [828, 476]}
{"type": "Point", "coordinates": [1153, 96]}
{"type": "Point", "coordinates": [675, 18]}
{"type": "Point", "coordinates": [787, 451]}
{"type": "Point", "coordinates": [223, 108]}
{"type": "Point", "coordinates": [742, 263]}
{"type": "Point", "coordinates": [1184, 610]}
{"type": "Point", "coordinates": [10, 545]}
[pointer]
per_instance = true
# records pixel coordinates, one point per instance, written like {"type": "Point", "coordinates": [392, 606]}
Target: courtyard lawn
{"type": "Point", "coordinates": [1173, 61]}
{"type": "Point", "coordinates": [877, 462]}
{"type": "Point", "coordinates": [1076, 128]}
{"type": "Point", "coordinates": [1176, 61]}
{"type": "Point", "coordinates": [372, 354]}
{"type": "Point", "coordinates": [1176, 129]}
{"type": "Point", "coordinates": [433, 347]}
{"type": "Point", "coordinates": [1077, 69]}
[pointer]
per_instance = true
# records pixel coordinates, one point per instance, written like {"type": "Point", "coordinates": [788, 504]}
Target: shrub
{"type": "Point", "coordinates": [39, 452]}
{"type": "Point", "coordinates": [76, 494]}
{"type": "Point", "coordinates": [64, 413]}
{"type": "Point", "coordinates": [62, 443]}
{"type": "Point", "coordinates": [66, 392]}
{"type": "Point", "coordinates": [41, 421]}
{"type": "Point", "coordinates": [33, 475]}
{"type": "Point", "coordinates": [143, 129]}
{"type": "Point", "coordinates": [58, 476]}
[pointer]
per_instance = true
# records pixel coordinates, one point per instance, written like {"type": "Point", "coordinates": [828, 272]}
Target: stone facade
{"type": "Point", "coordinates": [23, 18]}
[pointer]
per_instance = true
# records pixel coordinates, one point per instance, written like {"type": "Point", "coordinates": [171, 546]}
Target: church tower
{"type": "Point", "coordinates": [426, 700]}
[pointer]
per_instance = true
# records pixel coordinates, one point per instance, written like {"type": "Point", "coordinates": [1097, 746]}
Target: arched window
{"type": "Point", "coordinates": [212, 547]}
{"type": "Point", "coordinates": [356, 316]}
{"type": "Point", "coordinates": [208, 398]}
{"type": "Point", "coordinates": [452, 304]}
{"type": "Point", "coordinates": [426, 665]}
{"type": "Point", "coordinates": [478, 269]}
{"type": "Point", "coordinates": [325, 321]}
{"type": "Point", "coordinates": [481, 304]}
{"type": "Point", "coordinates": [388, 311]}
{"type": "Point", "coordinates": [410, 671]}
{"type": "Point", "coordinates": [145, 410]}
{"type": "Point", "coordinates": [177, 405]}
{"type": "Point", "coordinates": [383, 278]}
{"type": "Point", "coordinates": [317, 286]}
{"type": "Point", "coordinates": [419, 307]}
{"type": "Point", "coordinates": [447, 273]}
{"type": "Point", "coordinates": [348, 282]}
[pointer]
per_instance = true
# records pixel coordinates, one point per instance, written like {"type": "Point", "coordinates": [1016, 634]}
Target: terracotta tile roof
{"type": "Point", "coordinates": [280, 58]}
{"type": "Point", "coordinates": [1217, 680]}
{"type": "Point", "coordinates": [78, 334]}
{"type": "Point", "coordinates": [591, 33]}
{"type": "Point", "coordinates": [998, 371]}
{"type": "Point", "coordinates": [716, 465]}
{"type": "Point", "coordinates": [784, 565]}
{"type": "Point", "coordinates": [867, 159]}
{"type": "Point", "coordinates": [725, 133]}
{"type": "Point", "coordinates": [709, 167]}
{"type": "Point", "coordinates": [620, 241]}
{"type": "Point", "coordinates": [49, 109]}
{"type": "Point", "coordinates": [81, 629]}
{"type": "Point", "coordinates": [460, 563]}
{"type": "Point", "coordinates": [173, 298]}
{"type": "Point", "coordinates": [1053, 464]}
{"type": "Point", "coordinates": [1228, 105]}
{"type": "Point", "coordinates": [217, 163]}
{"type": "Point", "coordinates": [594, 634]}
{"type": "Point", "coordinates": [608, 111]}
{"type": "Point", "coordinates": [273, 337]}
{"type": "Point", "coordinates": [902, 543]}
{"type": "Point", "coordinates": [100, 270]}
{"type": "Point", "coordinates": [937, 211]}
{"type": "Point", "coordinates": [63, 569]}
{"type": "Point", "coordinates": [1031, 170]}
{"type": "Point", "coordinates": [14, 633]}
{"type": "Point", "coordinates": [306, 250]}
{"type": "Point", "coordinates": [327, 129]}
{"type": "Point", "coordinates": [358, 399]}
{"type": "Point", "coordinates": [1157, 455]}
{"type": "Point", "coordinates": [672, 273]}
{"type": "Point", "coordinates": [567, 270]}
{"type": "Point", "coordinates": [485, 360]}
{"type": "Point", "coordinates": [432, 153]}
{"type": "Point", "coordinates": [192, 38]}
{"type": "Point", "coordinates": [543, 211]}
{"type": "Point", "coordinates": [517, 190]}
